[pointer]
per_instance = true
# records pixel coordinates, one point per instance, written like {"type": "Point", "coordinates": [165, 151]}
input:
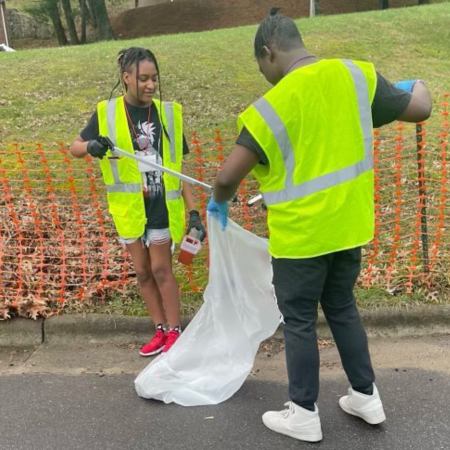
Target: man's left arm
{"type": "Point", "coordinates": [238, 165]}
{"type": "Point", "coordinates": [236, 168]}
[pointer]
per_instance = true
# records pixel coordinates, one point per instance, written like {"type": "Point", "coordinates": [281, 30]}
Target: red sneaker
{"type": "Point", "coordinates": [156, 345]}
{"type": "Point", "coordinates": [172, 337]}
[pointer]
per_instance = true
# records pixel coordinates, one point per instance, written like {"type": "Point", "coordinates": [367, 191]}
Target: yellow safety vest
{"type": "Point", "coordinates": [315, 126]}
{"type": "Point", "coordinates": [124, 181]}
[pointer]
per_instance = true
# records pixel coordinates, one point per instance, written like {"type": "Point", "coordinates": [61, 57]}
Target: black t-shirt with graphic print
{"type": "Point", "coordinates": [155, 204]}
{"type": "Point", "coordinates": [388, 105]}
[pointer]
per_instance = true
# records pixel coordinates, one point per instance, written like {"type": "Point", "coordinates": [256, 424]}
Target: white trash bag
{"type": "Point", "coordinates": [215, 354]}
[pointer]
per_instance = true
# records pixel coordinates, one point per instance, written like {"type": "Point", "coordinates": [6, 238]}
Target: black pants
{"type": "Point", "coordinates": [299, 285]}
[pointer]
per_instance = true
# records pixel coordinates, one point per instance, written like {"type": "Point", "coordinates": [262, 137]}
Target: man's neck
{"type": "Point", "coordinates": [296, 59]}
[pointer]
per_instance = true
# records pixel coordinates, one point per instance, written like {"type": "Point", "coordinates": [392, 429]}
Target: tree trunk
{"type": "Point", "coordinates": [84, 18]}
{"type": "Point", "coordinates": [317, 8]}
{"type": "Point", "coordinates": [105, 31]}
{"type": "Point", "coordinates": [92, 16]}
{"type": "Point", "coordinates": [68, 13]}
{"type": "Point", "coordinates": [136, 3]}
{"type": "Point", "coordinates": [53, 12]}
{"type": "Point", "coordinates": [384, 4]}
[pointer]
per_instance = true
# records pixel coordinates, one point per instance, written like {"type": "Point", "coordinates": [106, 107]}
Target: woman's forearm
{"type": "Point", "coordinates": [188, 196]}
{"type": "Point", "coordinates": [79, 148]}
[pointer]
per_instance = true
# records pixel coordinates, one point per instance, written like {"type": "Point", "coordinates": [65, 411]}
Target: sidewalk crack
{"type": "Point", "coordinates": [43, 331]}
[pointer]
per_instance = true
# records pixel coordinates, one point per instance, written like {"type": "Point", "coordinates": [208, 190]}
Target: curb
{"type": "Point", "coordinates": [103, 328]}
{"type": "Point", "coordinates": [100, 328]}
{"type": "Point", "coordinates": [397, 323]}
{"type": "Point", "coordinates": [21, 332]}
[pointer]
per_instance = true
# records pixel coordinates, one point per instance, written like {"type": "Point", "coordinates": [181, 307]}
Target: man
{"type": "Point", "coordinates": [309, 143]}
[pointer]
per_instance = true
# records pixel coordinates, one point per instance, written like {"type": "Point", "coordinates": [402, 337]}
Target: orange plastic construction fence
{"type": "Point", "coordinates": [58, 243]}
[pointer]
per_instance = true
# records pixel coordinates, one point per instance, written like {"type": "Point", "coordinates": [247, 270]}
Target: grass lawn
{"type": "Point", "coordinates": [48, 95]}
{"type": "Point", "coordinates": [132, 305]}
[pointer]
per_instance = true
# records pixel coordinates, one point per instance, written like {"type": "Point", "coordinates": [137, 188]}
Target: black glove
{"type": "Point", "coordinates": [98, 147]}
{"type": "Point", "coordinates": [196, 222]}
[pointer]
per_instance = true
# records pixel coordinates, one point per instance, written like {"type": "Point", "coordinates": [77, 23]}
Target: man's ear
{"type": "Point", "coordinates": [268, 53]}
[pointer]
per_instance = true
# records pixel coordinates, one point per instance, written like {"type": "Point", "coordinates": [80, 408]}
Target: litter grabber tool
{"type": "Point", "coordinates": [118, 151]}
{"type": "Point", "coordinates": [154, 165]}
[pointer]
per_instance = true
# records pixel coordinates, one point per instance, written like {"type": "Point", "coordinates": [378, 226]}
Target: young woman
{"type": "Point", "coordinates": [147, 205]}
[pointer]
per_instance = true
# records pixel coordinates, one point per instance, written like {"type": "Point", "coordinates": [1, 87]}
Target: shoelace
{"type": "Point", "coordinates": [172, 337]}
{"type": "Point", "coordinates": [158, 335]}
{"type": "Point", "coordinates": [290, 410]}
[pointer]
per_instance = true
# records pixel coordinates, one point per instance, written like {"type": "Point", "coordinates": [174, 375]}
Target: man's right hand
{"type": "Point", "coordinates": [98, 147]}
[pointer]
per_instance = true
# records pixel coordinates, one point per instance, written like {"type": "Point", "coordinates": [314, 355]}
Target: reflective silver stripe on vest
{"type": "Point", "coordinates": [364, 107]}
{"type": "Point", "coordinates": [114, 170]}
{"type": "Point", "coordinates": [173, 195]}
{"type": "Point", "coordinates": [168, 107]}
{"type": "Point", "coordinates": [124, 188]}
{"type": "Point", "coordinates": [111, 118]}
{"type": "Point", "coordinates": [293, 192]}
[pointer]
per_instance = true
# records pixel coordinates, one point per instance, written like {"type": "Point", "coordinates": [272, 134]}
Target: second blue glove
{"type": "Point", "coordinates": [219, 211]}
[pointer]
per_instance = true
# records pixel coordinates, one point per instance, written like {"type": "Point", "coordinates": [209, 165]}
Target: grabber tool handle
{"type": "Point", "coordinates": [181, 176]}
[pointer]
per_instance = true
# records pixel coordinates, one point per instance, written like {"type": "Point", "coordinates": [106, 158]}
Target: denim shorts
{"type": "Point", "coordinates": [151, 236]}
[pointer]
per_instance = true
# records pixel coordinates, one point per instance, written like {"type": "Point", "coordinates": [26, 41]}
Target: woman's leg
{"type": "Point", "coordinates": [161, 264]}
{"type": "Point", "coordinates": [147, 283]}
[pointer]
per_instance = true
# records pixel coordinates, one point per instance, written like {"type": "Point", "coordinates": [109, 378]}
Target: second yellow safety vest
{"type": "Point", "coordinates": [315, 126]}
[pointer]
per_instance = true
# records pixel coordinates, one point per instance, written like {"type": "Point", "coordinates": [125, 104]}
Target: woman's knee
{"type": "Point", "coordinates": [144, 276]}
{"type": "Point", "coordinates": [162, 274]}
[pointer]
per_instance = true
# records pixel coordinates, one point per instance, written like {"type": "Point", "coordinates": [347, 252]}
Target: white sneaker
{"type": "Point", "coordinates": [296, 422]}
{"type": "Point", "coordinates": [367, 407]}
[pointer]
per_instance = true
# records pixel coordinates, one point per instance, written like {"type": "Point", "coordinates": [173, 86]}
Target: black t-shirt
{"type": "Point", "coordinates": [144, 132]}
{"type": "Point", "coordinates": [388, 105]}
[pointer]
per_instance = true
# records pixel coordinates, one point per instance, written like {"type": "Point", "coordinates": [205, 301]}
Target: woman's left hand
{"type": "Point", "coordinates": [196, 222]}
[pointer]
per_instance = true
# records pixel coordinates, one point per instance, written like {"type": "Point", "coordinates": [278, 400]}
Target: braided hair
{"type": "Point", "coordinates": [135, 55]}
{"type": "Point", "coordinates": [279, 31]}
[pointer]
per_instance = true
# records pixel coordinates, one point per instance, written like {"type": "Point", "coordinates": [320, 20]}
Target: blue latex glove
{"type": "Point", "coordinates": [406, 86]}
{"type": "Point", "coordinates": [219, 211]}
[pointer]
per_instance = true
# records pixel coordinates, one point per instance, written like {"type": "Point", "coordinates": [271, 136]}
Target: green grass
{"type": "Point", "coordinates": [132, 305]}
{"type": "Point", "coordinates": [48, 95]}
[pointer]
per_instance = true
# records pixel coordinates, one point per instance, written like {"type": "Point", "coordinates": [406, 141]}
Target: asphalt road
{"type": "Point", "coordinates": [102, 411]}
